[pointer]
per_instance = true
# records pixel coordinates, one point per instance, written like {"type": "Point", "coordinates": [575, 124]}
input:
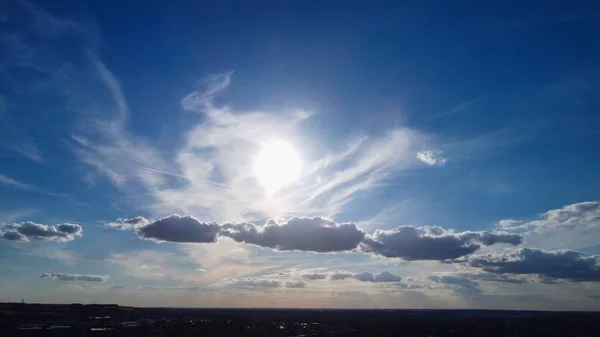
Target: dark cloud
{"type": "Point", "coordinates": [340, 276]}
{"type": "Point", "coordinates": [548, 265]}
{"type": "Point", "coordinates": [30, 230]}
{"type": "Point", "coordinates": [128, 223]}
{"type": "Point", "coordinates": [70, 228]}
{"type": "Point", "coordinates": [379, 277]}
{"type": "Point", "coordinates": [322, 235]}
{"type": "Point", "coordinates": [295, 285]}
{"type": "Point", "coordinates": [315, 276]}
{"type": "Point", "coordinates": [431, 242]}
{"type": "Point", "coordinates": [306, 234]}
{"type": "Point", "coordinates": [254, 284]}
{"type": "Point", "coordinates": [488, 239]}
{"type": "Point", "coordinates": [176, 228]}
{"type": "Point", "coordinates": [14, 236]}
{"type": "Point", "coordinates": [74, 277]}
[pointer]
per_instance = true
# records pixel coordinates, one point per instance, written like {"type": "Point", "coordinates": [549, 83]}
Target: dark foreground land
{"type": "Point", "coordinates": [112, 320]}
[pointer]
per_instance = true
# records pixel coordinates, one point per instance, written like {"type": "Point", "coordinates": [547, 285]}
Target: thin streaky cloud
{"type": "Point", "coordinates": [456, 109]}
{"type": "Point", "coordinates": [180, 176]}
{"type": "Point", "coordinates": [23, 186]}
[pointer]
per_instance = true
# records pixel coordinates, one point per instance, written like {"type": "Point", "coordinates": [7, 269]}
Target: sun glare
{"type": "Point", "coordinates": [277, 165]}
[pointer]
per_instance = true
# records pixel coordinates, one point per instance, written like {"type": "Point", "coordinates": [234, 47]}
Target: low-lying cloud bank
{"type": "Point", "coordinates": [549, 266]}
{"type": "Point", "coordinates": [306, 234]}
{"type": "Point", "coordinates": [431, 242]}
{"type": "Point", "coordinates": [575, 226]}
{"type": "Point", "coordinates": [321, 235]}
{"type": "Point", "coordinates": [74, 277]}
{"type": "Point", "coordinates": [24, 231]}
{"type": "Point", "coordinates": [384, 276]}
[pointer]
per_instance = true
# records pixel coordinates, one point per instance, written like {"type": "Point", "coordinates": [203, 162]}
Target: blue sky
{"type": "Point", "coordinates": [301, 153]}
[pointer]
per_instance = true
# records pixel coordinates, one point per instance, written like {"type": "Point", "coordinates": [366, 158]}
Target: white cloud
{"type": "Point", "coordinates": [432, 157]}
{"type": "Point", "coordinates": [574, 226]}
{"type": "Point", "coordinates": [210, 175]}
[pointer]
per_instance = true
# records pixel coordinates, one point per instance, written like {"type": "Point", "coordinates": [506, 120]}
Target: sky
{"type": "Point", "coordinates": [434, 154]}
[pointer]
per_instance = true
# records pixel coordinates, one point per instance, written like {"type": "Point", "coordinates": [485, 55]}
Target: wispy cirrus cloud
{"type": "Point", "coordinates": [214, 163]}
{"type": "Point", "coordinates": [8, 181]}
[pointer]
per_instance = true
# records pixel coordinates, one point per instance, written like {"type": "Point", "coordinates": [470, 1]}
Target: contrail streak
{"type": "Point", "coordinates": [183, 177]}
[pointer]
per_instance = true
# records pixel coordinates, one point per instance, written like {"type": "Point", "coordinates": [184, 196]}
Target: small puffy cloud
{"type": "Point", "coordinates": [295, 285]}
{"type": "Point", "coordinates": [30, 230]}
{"type": "Point", "coordinates": [340, 276]}
{"type": "Point", "coordinates": [550, 266]}
{"type": "Point", "coordinates": [364, 277]}
{"type": "Point", "coordinates": [128, 223]}
{"type": "Point", "coordinates": [306, 234]}
{"type": "Point", "coordinates": [315, 276]}
{"type": "Point", "coordinates": [74, 277]}
{"type": "Point", "coordinates": [432, 157]}
{"type": "Point", "coordinates": [176, 228]}
{"type": "Point", "coordinates": [69, 228]}
{"type": "Point", "coordinates": [13, 235]}
{"type": "Point", "coordinates": [431, 242]}
{"type": "Point", "coordinates": [254, 284]}
{"type": "Point", "coordinates": [384, 276]}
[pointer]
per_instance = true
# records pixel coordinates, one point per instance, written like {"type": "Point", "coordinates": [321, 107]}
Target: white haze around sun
{"type": "Point", "coordinates": [277, 165]}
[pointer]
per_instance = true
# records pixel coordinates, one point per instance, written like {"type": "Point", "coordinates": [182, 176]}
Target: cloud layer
{"type": "Point", "coordinates": [24, 231]}
{"type": "Point", "coordinates": [177, 228]}
{"type": "Point", "coordinates": [574, 226]}
{"type": "Point", "coordinates": [561, 265]}
{"type": "Point", "coordinates": [321, 235]}
{"type": "Point", "coordinates": [74, 277]}
{"type": "Point", "coordinates": [306, 234]}
{"type": "Point", "coordinates": [431, 242]}
{"type": "Point", "coordinates": [382, 277]}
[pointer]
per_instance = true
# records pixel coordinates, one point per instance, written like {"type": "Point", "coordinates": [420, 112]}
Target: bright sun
{"type": "Point", "coordinates": [278, 164]}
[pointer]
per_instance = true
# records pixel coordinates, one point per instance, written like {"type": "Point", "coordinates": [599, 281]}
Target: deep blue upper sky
{"type": "Point", "coordinates": [503, 95]}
